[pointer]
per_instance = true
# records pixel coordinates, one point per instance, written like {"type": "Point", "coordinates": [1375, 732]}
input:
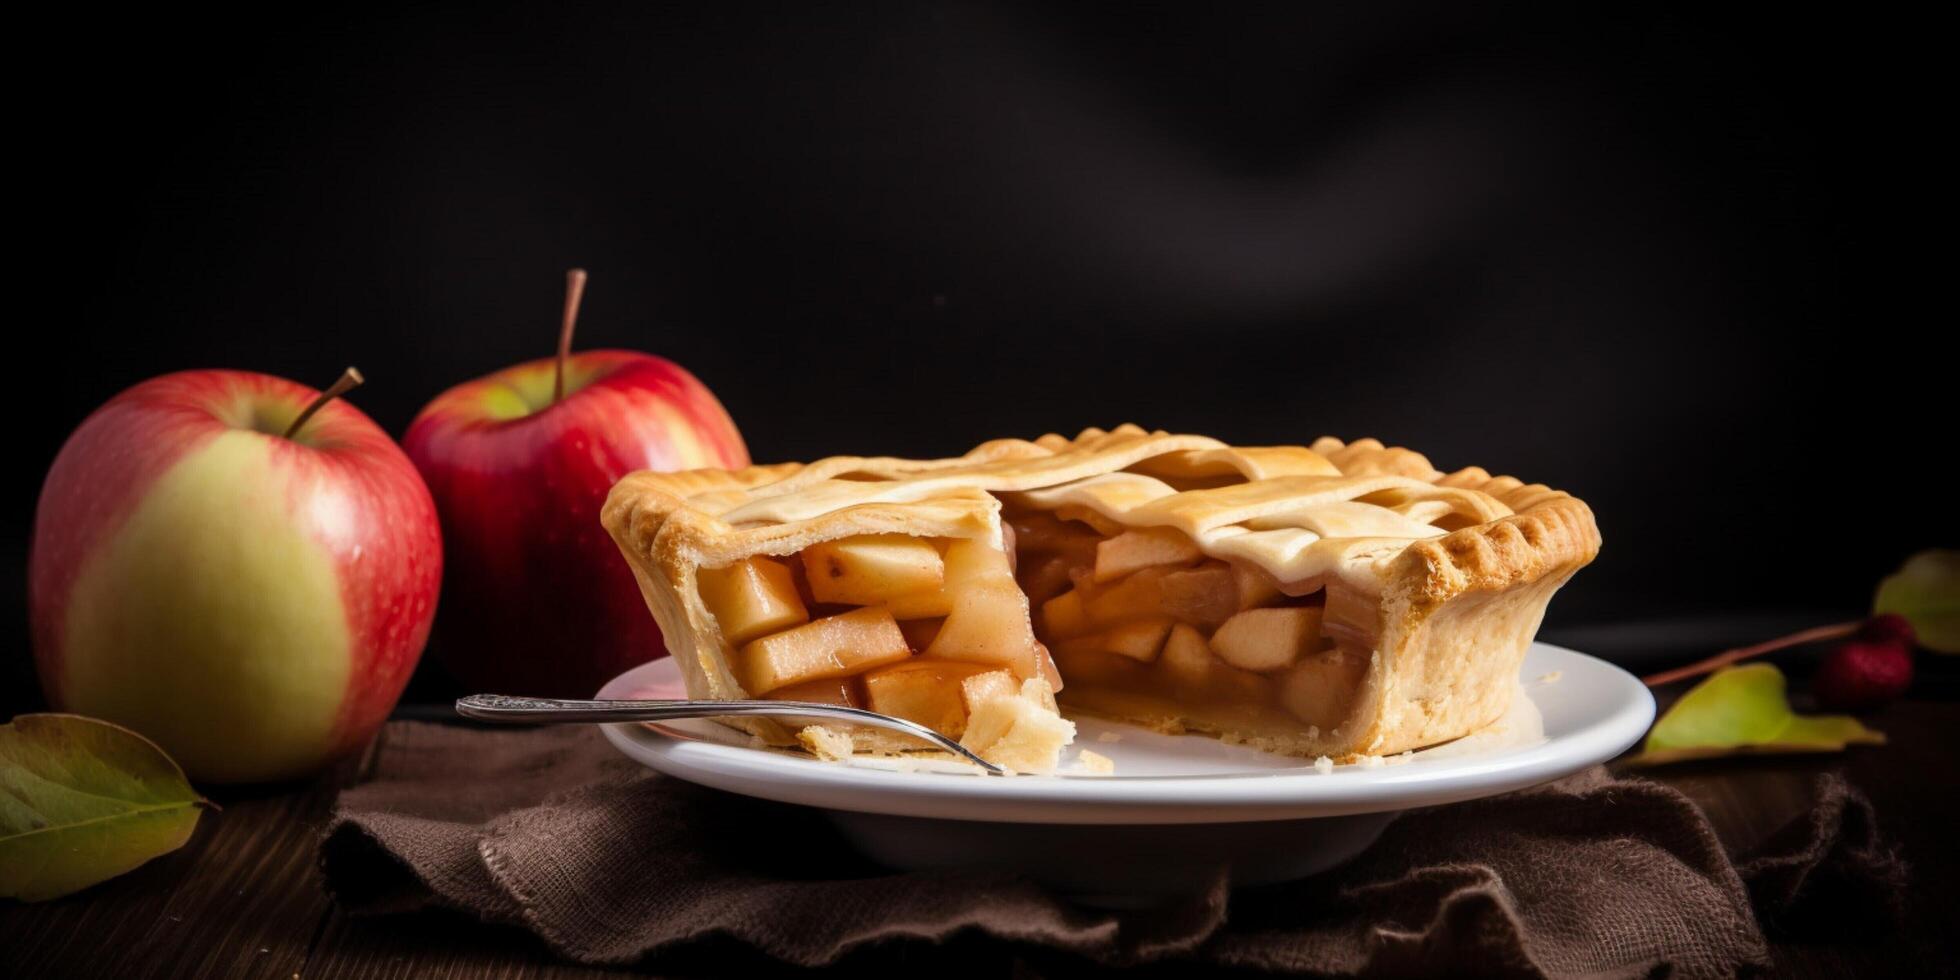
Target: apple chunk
{"type": "Point", "coordinates": [871, 569]}
{"type": "Point", "coordinates": [927, 691]}
{"type": "Point", "coordinates": [1353, 617]}
{"type": "Point", "coordinates": [834, 690]}
{"type": "Point", "coordinates": [1143, 548]}
{"type": "Point", "coordinates": [1320, 689]}
{"type": "Point", "coordinates": [833, 646]}
{"type": "Point", "coordinates": [1138, 595]}
{"type": "Point", "coordinates": [1256, 588]}
{"type": "Point", "coordinates": [1204, 596]}
{"type": "Point", "coordinates": [751, 598]}
{"type": "Point", "coordinates": [1267, 639]}
{"type": "Point", "coordinates": [1045, 578]}
{"type": "Point", "coordinates": [1090, 667]}
{"type": "Point", "coordinates": [989, 619]}
{"type": "Point", "coordinates": [1065, 615]}
{"type": "Point", "coordinates": [987, 686]}
{"type": "Point", "coordinates": [1042, 532]}
{"type": "Point", "coordinates": [1199, 676]}
{"type": "Point", "coordinates": [920, 605]}
{"type": "Point", "coordinates": [1139, 639]}
{"type": "Point", "coordinates": [1186, 658]}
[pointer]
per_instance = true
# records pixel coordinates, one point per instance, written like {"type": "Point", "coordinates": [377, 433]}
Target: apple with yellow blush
{"type": "Point", "coordinates": [238, 566]}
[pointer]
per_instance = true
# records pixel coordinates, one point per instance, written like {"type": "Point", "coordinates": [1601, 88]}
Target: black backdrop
{"type": "Point", "coordinates": [1636, 254]}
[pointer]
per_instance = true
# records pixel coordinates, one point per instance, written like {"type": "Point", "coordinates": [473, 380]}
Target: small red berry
{"type": "Point", "coordinates": [1889, 628]}
{"type": "Point", "coordinates": [1862, 674]}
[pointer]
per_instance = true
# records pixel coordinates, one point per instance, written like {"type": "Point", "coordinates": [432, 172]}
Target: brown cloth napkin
{"type": "Point", "coordinates": [552, 831]}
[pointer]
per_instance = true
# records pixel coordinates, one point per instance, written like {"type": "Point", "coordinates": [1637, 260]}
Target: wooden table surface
{"type": "Point", "coordinates": [244, 898]}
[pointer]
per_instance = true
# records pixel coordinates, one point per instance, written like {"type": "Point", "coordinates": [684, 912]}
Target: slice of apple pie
{"type": "Point", "coordinates": [1338, 600]}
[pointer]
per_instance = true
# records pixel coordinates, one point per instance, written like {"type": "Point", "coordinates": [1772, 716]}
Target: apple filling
{"type": "Point", "coordinates": [1144, 625]}
{"type": "Point", "coordinates": [956, 634]}
{"type": "Point", "coordinates": [924, 629]}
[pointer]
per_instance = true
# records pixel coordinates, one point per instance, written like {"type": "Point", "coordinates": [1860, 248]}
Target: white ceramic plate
{"type": "Point", "coordinates": [1152, 828]}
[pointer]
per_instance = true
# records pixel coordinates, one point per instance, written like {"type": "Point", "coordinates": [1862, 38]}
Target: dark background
{"type": "Point", "coordinates": [1659, 260]}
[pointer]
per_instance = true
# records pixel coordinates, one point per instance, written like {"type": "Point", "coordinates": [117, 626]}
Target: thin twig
{"type": "Point", "coordinates": [1816, 634]}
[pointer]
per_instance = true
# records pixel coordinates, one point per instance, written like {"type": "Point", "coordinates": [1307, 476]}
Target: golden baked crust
{"type": "Point", "coordinates": [1444, 577]}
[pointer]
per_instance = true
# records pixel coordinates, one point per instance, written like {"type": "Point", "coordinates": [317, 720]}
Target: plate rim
{"type": "Point", "coordinates": [1254, 795]}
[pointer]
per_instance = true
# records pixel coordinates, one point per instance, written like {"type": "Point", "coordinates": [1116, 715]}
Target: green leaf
{"type": "Point", "coordinates": [1926, 591]}
{"type": "Point", "coordinates": [82, 801]}
{"type": "Point", "coordinates": [1741, 710]}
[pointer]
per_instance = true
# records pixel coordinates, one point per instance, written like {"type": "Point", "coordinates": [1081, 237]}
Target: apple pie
{"type": "Point", "coordinates": [1338, 599]}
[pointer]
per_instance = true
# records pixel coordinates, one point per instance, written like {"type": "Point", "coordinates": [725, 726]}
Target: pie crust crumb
{"type": "Point", "coordinates": [1021, 733]}
{"type": "Point", "coordinates": [1095, 762]}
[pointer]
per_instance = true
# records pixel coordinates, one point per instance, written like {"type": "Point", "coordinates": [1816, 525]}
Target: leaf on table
{"type": "Point", "coordinates": [82, 801]}
{"type": "Point", "coordinates": [1926, 591]}
{"type": "Point", "coordinates": [1740, 710]}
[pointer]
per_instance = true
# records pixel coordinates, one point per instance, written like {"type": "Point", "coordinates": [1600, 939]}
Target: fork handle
{"type": "Point", "coordinates": [505, 708]}
{"type": "Point", "coordinates": [521, 710]}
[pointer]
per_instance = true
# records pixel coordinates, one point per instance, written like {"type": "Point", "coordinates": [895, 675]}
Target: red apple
{"type": "Point", "coordinates": [250, 593]}
{"type": "Point", "coordinates": [538, 600]}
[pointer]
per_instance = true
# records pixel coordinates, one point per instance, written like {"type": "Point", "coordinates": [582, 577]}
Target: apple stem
{"type": "Point", "coordinates": [349, 380]}
{"type": "Point", "coordinates": [1816, 634]}
{"type": "Point", "coordinates": [574, 291]}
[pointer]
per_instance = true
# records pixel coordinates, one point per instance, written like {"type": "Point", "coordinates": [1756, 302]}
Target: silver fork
{"type": "Point", "coordinates": [507, 709]}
